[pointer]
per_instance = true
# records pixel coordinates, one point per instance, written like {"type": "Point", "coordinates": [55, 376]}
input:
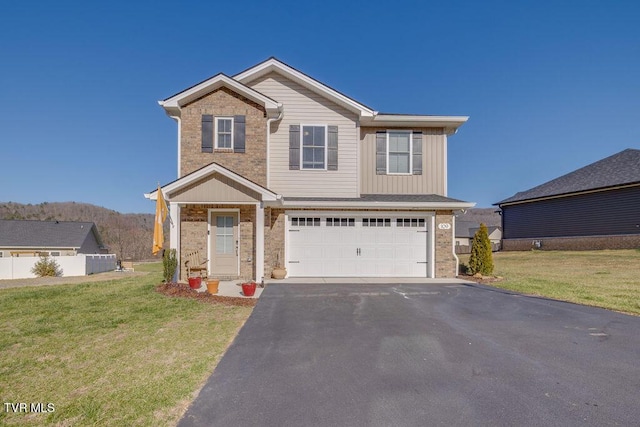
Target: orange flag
{"type": "Point", "coordinates": [161, 216]}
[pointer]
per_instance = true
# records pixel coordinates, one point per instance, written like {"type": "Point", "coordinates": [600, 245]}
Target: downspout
{"type": "Point", "coordinates": [269, 121]}
{"type": "Point", "coordinates": [453, 243]}
{"type": "Point", "coordinates": [177, 119]}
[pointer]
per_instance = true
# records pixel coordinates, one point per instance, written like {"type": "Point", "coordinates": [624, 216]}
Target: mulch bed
{"type": "Point", "coordinates": [478, 278]}
{"type": "Point", "coordinates": [182, 290]}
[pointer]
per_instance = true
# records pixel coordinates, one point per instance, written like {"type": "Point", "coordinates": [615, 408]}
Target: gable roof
{"type": "Point", "coordinates": [238, 83]}
{"type": "Point", "coordinates": [210, 169]}
{"type": "Point", "coordinates": [173, 104]}
{"type": "Point", "coordinates": [619, 169]}
{"type": "Point", "coordinates": [46, 234]}
{"type": "Point", "coordinates": [273, 64]}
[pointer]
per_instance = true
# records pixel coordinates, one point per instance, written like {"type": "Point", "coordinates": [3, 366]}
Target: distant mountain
{"type": "Point", "coordinates": [129, 236]}
{"type": "Point", "coordinates": [488, 216]}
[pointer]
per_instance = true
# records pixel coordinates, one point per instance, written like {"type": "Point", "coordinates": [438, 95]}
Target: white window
{"type": "Point", "coordinates": [224, 235]}
{"type": "Point", "coordinates": [399, 144]}
{"type": "Point", "coordinates": [341, 222]}
{"type": "Point", "coordinates": [224, 132]}
{"type": "Point", "coordinates": [305, 222]}
{"type": "Point", "coordinates": [314, 147]}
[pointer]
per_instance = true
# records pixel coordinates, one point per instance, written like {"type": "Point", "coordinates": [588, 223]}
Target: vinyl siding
{"type": "Point", "coordinates": [611, 212]}
{"type": "Point", "coordinates": [215, 190]}
{"type": "Point", "coordinates": [434, 172]}
{"type": "Point", "coordinates": [302, 106]}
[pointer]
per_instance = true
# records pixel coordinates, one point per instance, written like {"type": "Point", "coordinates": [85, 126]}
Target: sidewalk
{"type": "Point", "coordinates": [231, 288]}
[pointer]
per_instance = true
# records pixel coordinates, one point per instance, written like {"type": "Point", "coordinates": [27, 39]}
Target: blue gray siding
{"type": "Point", "coordinates": [612, 212]}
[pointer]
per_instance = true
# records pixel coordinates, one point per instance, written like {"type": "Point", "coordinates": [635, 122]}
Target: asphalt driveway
{"type": "Point", "coordinates": [416, 355]}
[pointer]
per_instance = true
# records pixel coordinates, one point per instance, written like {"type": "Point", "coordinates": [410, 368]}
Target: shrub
{"type": "Point", "coordinates": [169, 264]}
{"type": "Point", "coordinates": [481, 259]}
{"type": "Point", "coordinates": [46, 266]}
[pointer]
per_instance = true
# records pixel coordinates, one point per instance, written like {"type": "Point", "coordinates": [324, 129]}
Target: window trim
{"type": "Point", "coordinates": [215, 132]}
{"type": "Point", "coordinates": [410, 132]}
{"type": "Point", "coordinates": [326, 146]}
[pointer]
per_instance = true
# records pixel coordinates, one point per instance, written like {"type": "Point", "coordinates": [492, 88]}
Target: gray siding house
{"type": "Point", "coordinates": [595, 207]}
{"type": "Point", "coordinates": [54, 238]}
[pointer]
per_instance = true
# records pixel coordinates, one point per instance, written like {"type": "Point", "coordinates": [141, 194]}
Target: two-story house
{"type": "Point", "coordinates": [275, 167]}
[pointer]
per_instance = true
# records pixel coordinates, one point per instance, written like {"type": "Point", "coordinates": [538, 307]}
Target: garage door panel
{"type": "Point", "coordinates": [358, 246]}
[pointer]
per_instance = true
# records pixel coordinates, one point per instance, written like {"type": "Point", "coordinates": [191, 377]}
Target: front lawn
{"type": "Point", "coordinates": [108, 353]}
{"type": "Point", "coordinates": [608, 279]}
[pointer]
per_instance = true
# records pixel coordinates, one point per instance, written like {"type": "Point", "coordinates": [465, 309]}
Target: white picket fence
{"type": "Point", "coordinates": [78, 265]}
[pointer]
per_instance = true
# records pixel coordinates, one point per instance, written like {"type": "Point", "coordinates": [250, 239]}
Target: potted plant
{"type": "Point", "coordinates": [249, 288]}
{"type": "Point", "coordinates": [279, 272]}
{"type": "Point", "coordinates": [195, 282]}
{"type": "Point", "coordinates": [212, 286]}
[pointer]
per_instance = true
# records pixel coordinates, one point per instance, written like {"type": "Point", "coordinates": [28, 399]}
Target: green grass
{"type": "Point", "coordinates": [608, 279]}
{"type": "Point", "coordinates": [108, 353]}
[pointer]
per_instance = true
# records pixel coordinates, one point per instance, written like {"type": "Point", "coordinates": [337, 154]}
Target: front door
{"type": "Point", "coordinates": [223, 244]}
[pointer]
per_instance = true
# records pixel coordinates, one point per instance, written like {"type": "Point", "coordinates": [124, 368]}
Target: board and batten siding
{"type": "Point", "coordinates": [302, 106]}
{"type": "Point", "coordinates": [434, 169]}
{"type": "Point", "coordinates": [603, 213]}
{"type": "Point", "coordinates": [218, 188]}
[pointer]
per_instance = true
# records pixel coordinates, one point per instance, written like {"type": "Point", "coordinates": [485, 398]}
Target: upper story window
{"type": "Point", "coordinates": [224, 132]}
{"type": "Point", "coordinates": [399, 152]}
{"type": "Point", "coordinates": [314, 147]}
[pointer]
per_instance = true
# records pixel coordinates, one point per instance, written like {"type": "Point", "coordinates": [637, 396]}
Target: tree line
{"type": "Point", "coordinates": [129, 236]}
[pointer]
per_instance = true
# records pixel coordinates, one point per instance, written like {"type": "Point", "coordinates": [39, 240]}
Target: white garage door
{"type": "Point", "coordinates": [365, 245]}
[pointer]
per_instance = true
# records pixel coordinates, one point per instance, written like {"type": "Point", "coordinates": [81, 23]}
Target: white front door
{"type": "Point", "coordinates": [223, 244]}
{"type": "Point", "coordinates": [362, 245]}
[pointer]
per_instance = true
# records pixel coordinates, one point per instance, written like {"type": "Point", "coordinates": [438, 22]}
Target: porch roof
{"type": "Point", "coordinates": [187, 183]}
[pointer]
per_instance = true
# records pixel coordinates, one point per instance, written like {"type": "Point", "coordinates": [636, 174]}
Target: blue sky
{"type": "Point", "coordinates": [549, 86]}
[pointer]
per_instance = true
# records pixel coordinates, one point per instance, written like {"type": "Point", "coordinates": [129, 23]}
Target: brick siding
{"type": "Point", "coordinates": [225, 103]}
{"type": "Point", "coordinates": [444, 258]}
{"type": "Point", "coordinates": [586, 243]}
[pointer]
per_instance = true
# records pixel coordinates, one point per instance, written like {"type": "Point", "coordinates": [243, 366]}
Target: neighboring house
{"type": "Point", "coordinates": [76, 246]}
{"type": "Point", "coordinates": [465, 230]}
{"type": "Point", "coordinates": [595, 207]}
{"type": "Point", "coordinates": [275, 167]}
{"type": "Point", "coordinates": [20, 238]}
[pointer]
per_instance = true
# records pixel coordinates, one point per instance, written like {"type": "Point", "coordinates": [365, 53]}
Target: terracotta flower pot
{"type": "Point", "coordinates": [248, 289]}
{"type": "Point", "coordinates": [195, 282]}
{"type": "Point", "coordinates": [212, 286]}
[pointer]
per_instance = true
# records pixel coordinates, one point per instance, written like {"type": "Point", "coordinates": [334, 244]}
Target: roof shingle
{"type": "Point", "coordinates": [44, 234]}
{"type": "Point", "coordinates": [619, 169]}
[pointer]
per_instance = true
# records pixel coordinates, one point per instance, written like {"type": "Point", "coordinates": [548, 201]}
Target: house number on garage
{"type": "Point", "coordinates": [444, 226]}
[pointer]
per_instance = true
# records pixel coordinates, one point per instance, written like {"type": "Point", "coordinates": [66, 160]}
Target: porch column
{"type": "Point", "coordinates": [259, 242]}
{"type": "Point", "coordinates": [174, 233]}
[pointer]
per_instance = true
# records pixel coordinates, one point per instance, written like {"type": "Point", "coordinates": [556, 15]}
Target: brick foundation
{"type": "Point", "coordinates": [584, 243]}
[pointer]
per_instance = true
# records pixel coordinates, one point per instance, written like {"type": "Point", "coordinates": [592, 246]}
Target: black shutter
{"type": "Point", "coordinates": [294, 147]}
{"type": "Point", "coordinates": [417, 153]}
{"type": "Point", "coordinates": [332, 148]}
{"type": "Point", "coordinates": [381, 152]}
{"type": "Point", "coordinates": [238, 134]}
{"type": "Point", "coordinates": [207, 133]}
